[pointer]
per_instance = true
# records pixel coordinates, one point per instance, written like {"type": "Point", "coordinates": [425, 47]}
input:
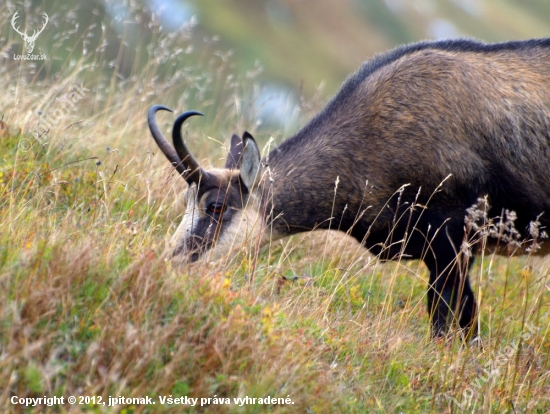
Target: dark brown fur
{"type": "Point", "coordinates": [478, 112]}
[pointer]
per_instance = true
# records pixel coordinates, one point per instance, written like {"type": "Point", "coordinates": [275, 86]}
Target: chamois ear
{"type": "Point", "coordinates": [250, 164]}
{"type": "Point", "coordinates": [235, 153]}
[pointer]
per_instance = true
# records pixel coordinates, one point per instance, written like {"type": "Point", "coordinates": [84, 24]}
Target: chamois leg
{"type": "Point", "coordinates": [449, 287]}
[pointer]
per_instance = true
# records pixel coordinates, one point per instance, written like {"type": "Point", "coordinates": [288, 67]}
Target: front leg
{"type": "Point", "coordinates": [450, 296]}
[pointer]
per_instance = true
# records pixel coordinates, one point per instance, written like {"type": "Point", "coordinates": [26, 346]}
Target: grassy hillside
{"type": "Point", "coordinates": [90, 304]}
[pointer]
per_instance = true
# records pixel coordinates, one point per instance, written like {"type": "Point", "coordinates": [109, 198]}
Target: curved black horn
{"type": "Point", "coordinates": [193, 171]}
{"type": "Point", "coordinates": [161, 141]}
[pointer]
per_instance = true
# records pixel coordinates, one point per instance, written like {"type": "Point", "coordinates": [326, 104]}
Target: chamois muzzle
{"type": "Point", "coordinates": [178, 155]}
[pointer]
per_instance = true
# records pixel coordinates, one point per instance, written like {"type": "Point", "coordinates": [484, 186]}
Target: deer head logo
{"type": "Point", "coordinates": [29, 40]}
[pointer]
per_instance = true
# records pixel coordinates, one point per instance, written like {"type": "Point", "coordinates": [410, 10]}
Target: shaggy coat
{"type": "Point", "coordinates": [415, 138]}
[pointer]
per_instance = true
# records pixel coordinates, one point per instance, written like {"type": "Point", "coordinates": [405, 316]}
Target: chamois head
{"type": "Point", "coordinates": [222, 209]}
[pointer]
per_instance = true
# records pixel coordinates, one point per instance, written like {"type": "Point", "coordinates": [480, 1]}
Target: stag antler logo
{"type": "Point", "coordinates": [29, 40]}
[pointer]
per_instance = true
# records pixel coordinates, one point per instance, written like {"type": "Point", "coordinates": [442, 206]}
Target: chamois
{"type": "Point", "coordinates": [415, 138]}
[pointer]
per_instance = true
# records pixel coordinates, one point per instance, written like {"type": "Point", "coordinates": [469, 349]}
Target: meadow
{"type": "Point", "coordinates": [92, 305]}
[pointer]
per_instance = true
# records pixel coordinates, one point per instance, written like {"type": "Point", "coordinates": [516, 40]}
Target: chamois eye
{"type": "Point", "coordinates": [216, 208]}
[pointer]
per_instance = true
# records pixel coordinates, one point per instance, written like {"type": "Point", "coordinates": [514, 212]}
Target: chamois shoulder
{"type": "Point", "coordinates": [341, 106]}
{"type": "Point", "coordinates": [453, 45]}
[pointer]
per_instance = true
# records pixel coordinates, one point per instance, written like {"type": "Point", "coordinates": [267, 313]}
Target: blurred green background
{"type": "Point", "coordinates": [289, 47]}
{"type": "Point", "coordinates": [306, 42]}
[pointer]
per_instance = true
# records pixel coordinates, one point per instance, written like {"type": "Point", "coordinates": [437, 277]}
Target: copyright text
{"type": "Point", "coordinates": [111, 401]}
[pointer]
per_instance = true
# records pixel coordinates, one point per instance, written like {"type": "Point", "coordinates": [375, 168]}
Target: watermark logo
{"type": "Point", "coordinates": [67, 102]}
{"type": "Point", "coordinates": [493, 370]}
{"type": "Point", "coordinates": [29, 40]}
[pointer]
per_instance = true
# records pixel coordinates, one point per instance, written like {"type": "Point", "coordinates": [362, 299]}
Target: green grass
{"type": "Point", "coordinates": [90, 305]}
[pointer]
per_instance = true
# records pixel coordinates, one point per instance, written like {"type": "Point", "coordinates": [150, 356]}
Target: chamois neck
{"type": "Point", "coordinates": [298, 196]}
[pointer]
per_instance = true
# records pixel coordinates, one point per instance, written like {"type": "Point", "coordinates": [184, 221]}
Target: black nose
{"type": "Point", "coordinates": [189, 257]}
{"type": "Point", "coordinates": [191, 252]}
{"type": "Point", "coordinates": [178, 250]}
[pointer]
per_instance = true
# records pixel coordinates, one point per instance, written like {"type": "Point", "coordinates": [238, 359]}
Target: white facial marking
{"type": "Point", "coordinates": [244, 231]}
{"type": "Point", "coordinates": [190, 219]}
